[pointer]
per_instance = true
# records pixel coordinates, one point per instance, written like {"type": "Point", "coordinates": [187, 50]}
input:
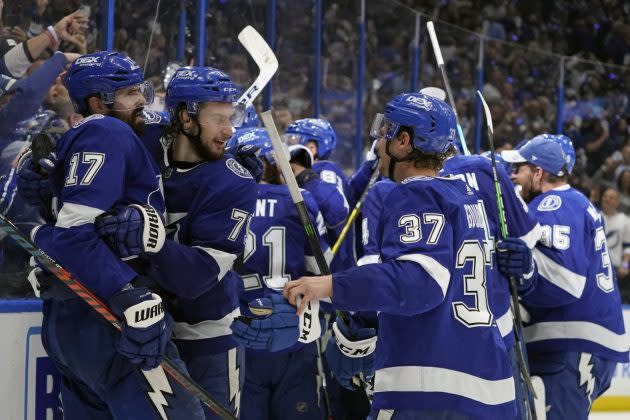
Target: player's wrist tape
{"type": "Point", "coordinates": [154, 234]}
{"type": "Point", "coordinates": [309, 324]}
{"type": "Point", "coordinates": [354, 349]}
{"type": "Point", "coordinates": [145, 313]}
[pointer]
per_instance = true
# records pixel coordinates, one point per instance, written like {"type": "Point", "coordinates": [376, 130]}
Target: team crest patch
{"type": "Point", "coordinates": [151, 117]}
{"type": "Point", "coordinates": [550, 203]}
{"type": "Point", "coordinates": [237, 168]}
{"type": "Point", "coordinates": [90, 118]}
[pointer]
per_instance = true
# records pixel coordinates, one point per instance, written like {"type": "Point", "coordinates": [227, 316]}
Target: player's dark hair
{"type": "Point", "coordinates": [175, 127]}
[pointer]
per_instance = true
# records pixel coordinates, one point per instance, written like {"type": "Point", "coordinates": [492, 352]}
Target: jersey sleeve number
{"type": "Point", "coordinates": [557, 236]}
{"type": "Point", "coordinates": [475, 285]}
{"type": "Point", "coordinates": [95, 160]}
{"type": "Point", "coordinates": [413, 231]}
{"type": "Point", "coordinates": [605, 281]}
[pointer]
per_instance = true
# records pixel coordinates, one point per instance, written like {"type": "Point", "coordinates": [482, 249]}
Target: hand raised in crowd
{"type": "Point", "coordinates": [71, 25]}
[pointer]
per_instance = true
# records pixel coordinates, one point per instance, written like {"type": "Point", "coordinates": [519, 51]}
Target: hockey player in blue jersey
{"type": "Point", "coordinates": [431, 287]}
{"type": "Point", "coordinates": [101, 165]}
{"type": "Point", "coordinates": [209, 200]}
{"type": "Point", "coordinates": [320, 137]}
{"type": "Point", "coordinates": [281, 378]}
{"type": "Point", "coordinates": [476, 171]}
{"type": "Point", "coordinates": [575, 336]}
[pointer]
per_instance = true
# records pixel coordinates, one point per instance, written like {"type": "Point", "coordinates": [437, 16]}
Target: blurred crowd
{"type": "Point", "coordinates": [526, 47]}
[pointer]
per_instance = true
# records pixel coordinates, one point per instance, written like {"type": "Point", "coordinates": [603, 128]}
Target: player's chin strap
{"type": "Point", "coordinates": [393, 160]}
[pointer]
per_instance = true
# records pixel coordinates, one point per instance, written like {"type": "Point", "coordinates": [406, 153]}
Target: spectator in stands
{"type": "Point", "coordinates": [623, 185]}
{"type": "Point", "coordinates": [617, 226]}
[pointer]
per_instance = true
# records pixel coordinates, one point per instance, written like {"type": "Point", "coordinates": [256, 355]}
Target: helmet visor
{"type": "Point", "coordinates": [382, 127]}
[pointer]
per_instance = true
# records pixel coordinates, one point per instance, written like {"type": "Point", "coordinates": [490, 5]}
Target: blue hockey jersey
{"type": "Point", "coordinates": [371, 211]}
{"type": "Point", "coordinates": [208, 208]}
{"type": "Point", "coordinates": [102, 164]}
{"type": "Point", "coordinates": [331, 173]}
{"type": "Point", "coordinates": [276, 247]}
{"type": "Point", "coordinates": [574, 301]}
{"type": "Point", "coordinates": [476, 171]}
{"type": "Point", "coordinates": [432, 293]}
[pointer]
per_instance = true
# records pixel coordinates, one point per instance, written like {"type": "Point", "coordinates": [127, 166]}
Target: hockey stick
{"type": "Point", "coordinates": [440, 62]}
{"type": "Point", "coordinates": [355, 211]}
{"type": "Point", "coordinates": [311, 233]}
{"type": "Point", "coordinates": [77, 287]}
{"type": "Point", "coordinates": [264, 58]}
{"type": "Point", "coordinates": [518, 322]}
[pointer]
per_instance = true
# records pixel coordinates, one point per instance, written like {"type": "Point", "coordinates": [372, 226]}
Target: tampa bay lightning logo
{"type": "Point", "coordinates": [550, 203]}
{"type": "Point", "coordinates": [237, 168]}
{"type": "Point", "coordinates": [168, 172]}
{"type": "Point", "coordinates": [151, 117]}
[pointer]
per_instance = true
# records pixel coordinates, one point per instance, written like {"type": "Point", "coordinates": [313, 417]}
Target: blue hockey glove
{"type": "Point", "coordinates": [146, 327]}
{"type": "Point", "coordinates": [347, 358]}
{"type": "Point", "coordinates": [32, 183]}
{"type": "Point", "coordinates": [131, 230]}
{"type": "Point", "coordinates": [245, 154]}
{"type": "Point", "coordinates": [276, 328]}
{"type": "Point", "coordinates": [514, 258]}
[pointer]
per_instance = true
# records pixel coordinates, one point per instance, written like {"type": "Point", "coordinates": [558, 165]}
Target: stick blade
{"type": "Point", "coordinates": [486, 111]}
{"type": "Point", "coordinates": [264, 58]}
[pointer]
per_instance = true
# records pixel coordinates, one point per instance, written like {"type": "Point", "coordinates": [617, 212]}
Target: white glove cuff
{"type": "Point", "coordinates": [154, 234]}
{"type": "Point", "coordinates": [310, 327]}
{"type": "Point", "coordinates": [354, 349]}
{"type": "Point", "coordinates": [145, 313]}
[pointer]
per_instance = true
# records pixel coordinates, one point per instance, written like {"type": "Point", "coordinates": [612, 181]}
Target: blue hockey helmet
{"type": "Point", "coordinates": [431, 119]}
{"type": "Point", "coordinates": [103, 73]}
{"type": "Point", "coordinates": [194, 85]}
{"type": "Point", "coordinates": [253, 137]}
{"type": "Point", "coordinates": [313, 129]}
{"type": "Point", "coordinates": [543, 151]}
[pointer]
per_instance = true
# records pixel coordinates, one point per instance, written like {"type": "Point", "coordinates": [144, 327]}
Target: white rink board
{"type": "Point", "coordinates": [30, 386]}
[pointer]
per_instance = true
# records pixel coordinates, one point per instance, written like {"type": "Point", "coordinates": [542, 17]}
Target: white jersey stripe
{"type": "Point", "coordinates": [558, 275]}
{"type": "Point", "coordinates": [224, 260]}
{"type": "Point", "coordinates": [72, 214]}
{"type": "Point", "coordinates": [211, 328]}
{"type": "Point", "coordinates": [577, 330]}
{"type": "Point", "coordinates": [435, 379]}
{"type": "Point", "coordinates": [437, 271]}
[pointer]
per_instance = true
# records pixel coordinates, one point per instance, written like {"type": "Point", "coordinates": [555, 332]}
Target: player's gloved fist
{"type": "Point", "coordinates": [351, 352]}
{"type": "Point", "coordinates": [245, 154]}
{"type": "Point", "coordinates": [146, 328]}
{"type": "Point", "coordinates": [514, 258]}
{"type": "Point", "coordinates": [306, 176]}
{"type": "Point", "coordinates": [131, 230]}
{"type": "Point", "coordinates": [32, 183]}
{"type": "Point", "coordinates": [371, 155]}
{"type": "Point", "coordinates": [276, 329]}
